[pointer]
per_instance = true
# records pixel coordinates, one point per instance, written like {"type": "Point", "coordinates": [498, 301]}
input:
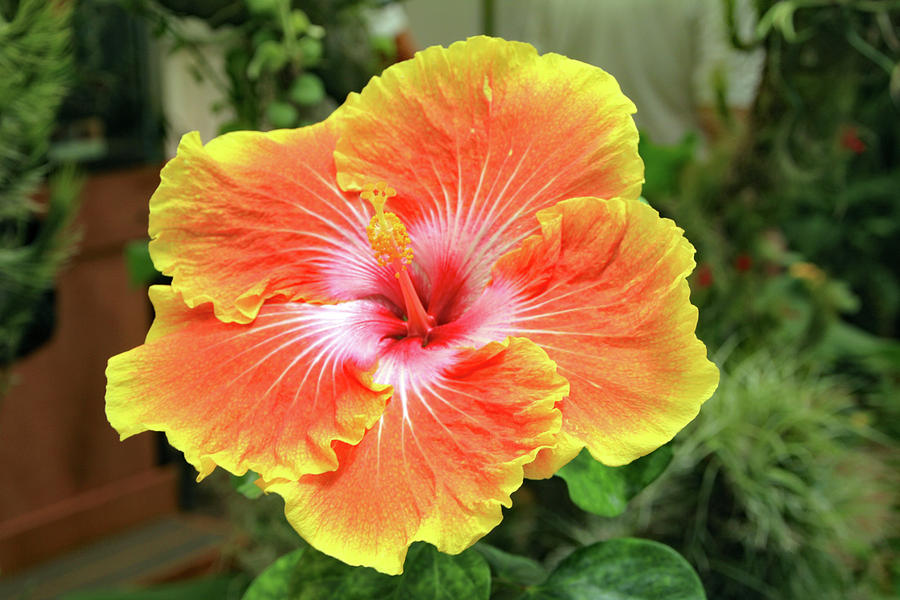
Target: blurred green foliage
{"type": "Point", "coordinates": [287, 62]}
{"type": "Point", "coordinates": [785, 486]}
{"type": "Point", "coordinates": [823, 161]}
{"type": "Point", "coordinates": [35, 238]}
{"type": "Point", "coordinates": [780, 488]}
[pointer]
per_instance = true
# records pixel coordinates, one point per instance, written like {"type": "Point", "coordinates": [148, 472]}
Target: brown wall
{"type": "Point", "coordinates": [64, 472]}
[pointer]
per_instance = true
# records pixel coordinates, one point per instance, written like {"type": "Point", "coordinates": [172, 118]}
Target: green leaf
{"type": "Point", "coordinates": [140, 267]}
{"type": "Point", "coordinates": [307, 90]}
{"type": "Point", "coordinates": [623, 569]}
{"type": "Point", "coordinates": [246, 484]}
{"type": "Point", "coordinates": [512, 567]}
{"type": "Point", "coordinates": [605, 491]}
{"type": "Point", "coordinates": [427, 575]}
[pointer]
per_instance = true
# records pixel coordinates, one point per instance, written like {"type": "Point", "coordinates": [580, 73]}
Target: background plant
{"type": "Point", "coordinates": [287, 63]}
{"type": "Point", "coordinates": [784, 487]}
{"type": "Point", "coordinates": [774, 489]}
{"type": "Point", "coordinates": [35, 238]}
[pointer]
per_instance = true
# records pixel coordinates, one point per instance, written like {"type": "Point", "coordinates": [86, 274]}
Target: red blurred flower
{"type": "Point", "coordinates": [704, 275]}
{"type": "Point", "coordinates": [851, 141]}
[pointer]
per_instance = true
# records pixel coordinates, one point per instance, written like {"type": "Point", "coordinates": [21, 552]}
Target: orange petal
{"type": "Point", "coordinates": [270, 396]}
{"type": "Point", "coordinates": [477, 137]}
{"type": "Point", "coordinates": [440, 463]}
{"type": "Point", "coordinates": [603, 290]}
{"type": "Point", "coordinates": [254, 215]}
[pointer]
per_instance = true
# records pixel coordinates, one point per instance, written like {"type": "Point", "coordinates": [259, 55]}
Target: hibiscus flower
{"type": "Point", "coordinates": [395, 315]}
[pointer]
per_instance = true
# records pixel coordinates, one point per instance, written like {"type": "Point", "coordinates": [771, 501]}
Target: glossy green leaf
{"type": "Point", "coordinates": [427, 575]}
{"type": "Point", "coordinates": [623, 569]}
{"type": "Point", "coordinates": [605, 491]}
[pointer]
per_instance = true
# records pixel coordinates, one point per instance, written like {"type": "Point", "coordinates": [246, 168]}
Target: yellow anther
{"type": "Point", "coordinates": [387, 234]}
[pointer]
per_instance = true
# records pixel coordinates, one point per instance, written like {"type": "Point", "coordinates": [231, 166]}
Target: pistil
{"type": "Point", "coordinates": [418, 322]}
{"type": "Point", "coordinates": [388, 238]}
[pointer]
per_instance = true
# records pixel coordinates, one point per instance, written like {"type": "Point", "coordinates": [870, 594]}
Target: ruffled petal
{"type": "Point", "coordinates": [603, 290]}
{"type": "Point", "coordinates": [254, 215]}
{"type": "Point", "coordinates": [476, 138]}
{"type": "Point", "coordinates": [271, 396]}
{"type": "Point", "coordinates": [440, 463]}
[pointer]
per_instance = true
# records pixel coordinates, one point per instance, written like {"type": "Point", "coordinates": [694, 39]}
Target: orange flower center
{"type": "Point", "coordinates": [388, 238]}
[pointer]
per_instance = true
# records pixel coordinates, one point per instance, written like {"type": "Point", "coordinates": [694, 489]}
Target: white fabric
{"type": "Point", "coordinates": [666, 54]}
{"type": "Point", "coordinates": [387, 21]}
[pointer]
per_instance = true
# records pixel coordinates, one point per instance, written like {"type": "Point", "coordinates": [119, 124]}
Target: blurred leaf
{"type": "Point", "coordinates": [316, 32]}
{"type": "Point", "coordinates": [894, 85]}
{"type": "Point", "coordinates": [784, 20]}
{"type": "Point", "coordinates": [844, 341]}
{"type": "Point", "coordinates": [512, 567]}
{"type": "Point", "coordinates": [269, 57]}
{"type": "Point", "coordinates": [282, 114]}
{"type": "Point", "coordinates": [310, 51]}
{"type": "Point", "coordinates": [840, 296]}
{"type": "Point", "coordinates": [234, 125]}
{"type": "Point", "coordinates": [263, 7]}
{"type": "Point", "coordinates": [781, 17]}
{"type": "Point", "coordinates": [141, 271]}
{"type": "Point", "coordinates": [246, 484]}
{"type": "Point", "coordinates": [622, 569]}
{"type": "Point", "coordinates": [386, 46]}
{"type": "Point", "coordinates": [663, 164]}
{"type": "Point", "coordinates": [605, 491]}
{"type": "Point", "coordinates": [299, 21]}
{"type": "Point", "coordinates": [427, 575]}
{"type": "Point", "coordinates": [307, 90]}
{"type": "Point", "coordinates": [259, 38]}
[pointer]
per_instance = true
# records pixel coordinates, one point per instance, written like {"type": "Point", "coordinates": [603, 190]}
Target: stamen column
{"type": "Point", "coordinates": [388, 238]}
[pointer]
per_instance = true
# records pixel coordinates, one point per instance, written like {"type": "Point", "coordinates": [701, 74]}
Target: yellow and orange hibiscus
{"type": "Point", "coordinates": [395, 375]}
